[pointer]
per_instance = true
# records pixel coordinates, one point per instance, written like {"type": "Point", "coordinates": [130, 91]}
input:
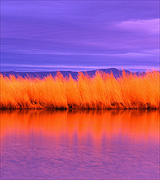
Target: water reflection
{"type": "Point", "coordinates": [79, 145]}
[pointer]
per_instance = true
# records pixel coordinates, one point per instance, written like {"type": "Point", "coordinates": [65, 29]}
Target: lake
{"type": "Point", "coordinates": [80, 144]}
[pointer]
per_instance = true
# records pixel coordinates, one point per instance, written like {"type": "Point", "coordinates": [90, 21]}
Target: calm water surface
{"type": "Point", "coordinates": [80, 145]}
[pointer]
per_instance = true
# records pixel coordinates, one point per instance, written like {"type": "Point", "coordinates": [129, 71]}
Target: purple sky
{"type": "Point", "coordinates": [77, 35]}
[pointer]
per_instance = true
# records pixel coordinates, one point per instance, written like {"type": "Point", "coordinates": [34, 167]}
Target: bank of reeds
{"type": "Point", "coordinates": [103, 91]}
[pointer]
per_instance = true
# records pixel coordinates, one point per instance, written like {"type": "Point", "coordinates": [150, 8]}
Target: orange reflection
{"type": "Point", "coordinates": [132, 124]}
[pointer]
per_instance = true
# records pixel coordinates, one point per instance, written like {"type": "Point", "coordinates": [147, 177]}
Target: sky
{"type": "Point", "coordinates": [79, 35]}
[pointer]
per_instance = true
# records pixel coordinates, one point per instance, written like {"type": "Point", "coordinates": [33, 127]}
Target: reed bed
{"type": "Point", "coordinates": [102, 91]}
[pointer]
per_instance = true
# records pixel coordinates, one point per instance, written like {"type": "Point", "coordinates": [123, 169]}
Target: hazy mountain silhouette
{"type": "Point", "coordinates": [116, 73]}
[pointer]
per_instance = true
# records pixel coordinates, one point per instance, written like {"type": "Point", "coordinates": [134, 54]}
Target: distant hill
{"type": "Point", "coordinates": [116, 73]}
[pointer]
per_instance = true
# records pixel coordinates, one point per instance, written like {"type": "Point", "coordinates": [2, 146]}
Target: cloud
{"type": "Point", "coordinates": [31, 67]}
{"type": "Point", "coordinates": [149, 53]}
{"type": "Point", "coordinates": [150, 25]}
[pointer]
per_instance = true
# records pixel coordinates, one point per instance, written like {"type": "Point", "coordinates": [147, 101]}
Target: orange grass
{"type": "Point", "coordinates": [103, 91]}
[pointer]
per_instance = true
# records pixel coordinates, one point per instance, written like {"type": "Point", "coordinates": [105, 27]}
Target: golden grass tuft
{"type": "Point", "coordinates": [103, 91]}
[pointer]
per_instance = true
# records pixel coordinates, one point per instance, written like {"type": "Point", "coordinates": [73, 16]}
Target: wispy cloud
{"type": "Point", "coordinates": [147, 25]}
{"type": "Point", "coordinates": [31, 67]}
{"type": "Point", "coordinates": [149, 53]}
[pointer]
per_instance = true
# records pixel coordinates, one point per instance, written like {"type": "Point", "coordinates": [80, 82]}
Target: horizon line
{"type": "Point", "coordinates": [51, 68]}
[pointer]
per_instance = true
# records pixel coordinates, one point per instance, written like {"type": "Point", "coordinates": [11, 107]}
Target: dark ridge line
{"type": "Point", "coordinates": [116, 72]}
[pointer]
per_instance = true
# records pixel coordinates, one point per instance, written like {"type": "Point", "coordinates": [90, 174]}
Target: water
{"type": "Point", "coordinates": [80, 145]}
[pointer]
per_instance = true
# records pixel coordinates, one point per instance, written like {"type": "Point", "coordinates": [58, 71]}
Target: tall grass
{"type": "Point", "coordinates": [103, 91]}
